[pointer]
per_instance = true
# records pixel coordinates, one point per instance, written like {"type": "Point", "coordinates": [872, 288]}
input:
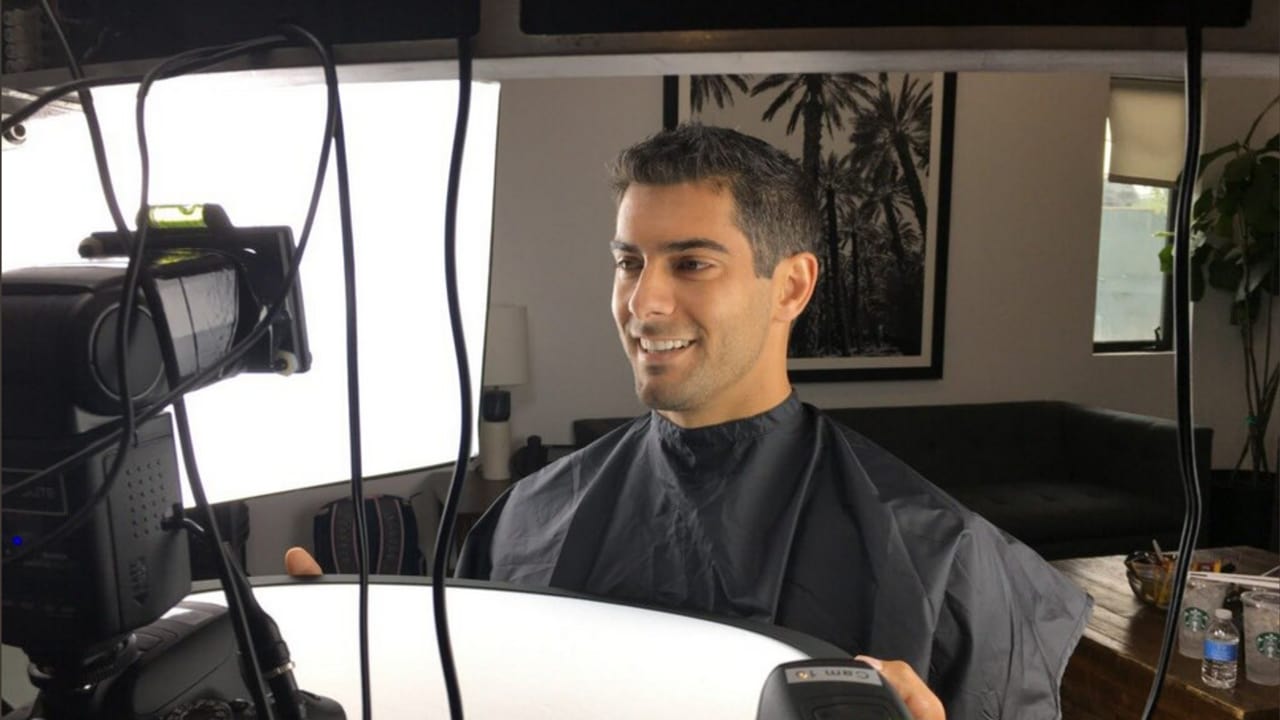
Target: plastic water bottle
{"type": "Point", "coordinates": [1221, 649]}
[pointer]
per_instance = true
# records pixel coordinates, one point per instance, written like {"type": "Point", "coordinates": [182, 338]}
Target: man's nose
{"type": "Point", "coordinates": [653, 294]}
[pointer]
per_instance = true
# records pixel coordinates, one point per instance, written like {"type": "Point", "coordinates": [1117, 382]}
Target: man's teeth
{"type": "Point", "coordinates": [663, 345]}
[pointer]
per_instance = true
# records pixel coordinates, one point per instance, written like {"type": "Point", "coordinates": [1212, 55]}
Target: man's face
{"type": "Point", "coordinates": [694, 319]}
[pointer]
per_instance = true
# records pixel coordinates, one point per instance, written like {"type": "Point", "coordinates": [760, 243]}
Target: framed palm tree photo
{"type": "Point", "coordinates": [878, 147]}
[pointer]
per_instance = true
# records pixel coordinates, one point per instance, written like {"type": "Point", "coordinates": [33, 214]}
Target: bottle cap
{"type": "Point", "coordinates": [1222, 614]}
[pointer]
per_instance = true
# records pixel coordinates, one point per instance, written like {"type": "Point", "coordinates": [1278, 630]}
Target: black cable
{"type": "Point", "coordinates": [353, 422]}
{"type": "Point", "coordinates": [1182, 270]}
{"type": "Point", "coordinates": [256, 631]}
{"type": "Point", "coordinates": [251, 669]}
{"type": "Point", "coordinates": [91, 118]}
{"type": "Point", "coordinates": [353, 410]}
{"type": "Point", "coordinates": [129, 289]}
{"type": "Point", "coordinates": [128, 295]}
{"type": "Point", "coordinates": [224, 53]}
{"type": "Point", "coordinates": [444, 536]}
{"type": "Point", "coordinates": [211, 372]}
{"type": "Point", "coordinates": [57, 92]}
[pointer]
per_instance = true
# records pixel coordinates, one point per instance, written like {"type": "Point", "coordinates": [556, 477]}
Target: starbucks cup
{"type": "Point", "coordinates": [1199, 600]}
{"type": "Point", "coordinates": [1261, 636]}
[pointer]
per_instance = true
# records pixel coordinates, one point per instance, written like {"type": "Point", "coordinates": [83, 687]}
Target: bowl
{"type": "Point", "coordinates": [1150, 579]}
{"type": "Point", "coordinates": [1150, 576]}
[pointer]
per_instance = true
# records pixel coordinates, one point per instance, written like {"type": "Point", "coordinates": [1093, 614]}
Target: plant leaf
{"type": "Point", "coordinates": [1240, 167]}
{"type": "Point", "coordinates": [1166, 259]}
{"type": "Point", "coordinates": [1262, 198]}
{"type": "Point", "coordinates": [1229, 196]}
{"type": "Point", "coordinates": [1203, 205]}
{"type": "Point", "coordinates": [1272, 144]}
{"type": "Point", "coordinates": [1208, 158]}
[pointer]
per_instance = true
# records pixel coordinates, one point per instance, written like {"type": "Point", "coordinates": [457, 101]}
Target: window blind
{"type": "Point", "coordinates": [1148, 121]}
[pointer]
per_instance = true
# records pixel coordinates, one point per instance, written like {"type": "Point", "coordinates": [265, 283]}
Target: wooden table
{"type": "Point", "coordinates": [1110, 673]}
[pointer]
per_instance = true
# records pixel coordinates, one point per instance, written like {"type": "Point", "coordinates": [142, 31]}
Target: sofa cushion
{"type": "Point", "coordinates": [960, 445]}
{"type": "Point", "coordinates": [1037, 512]}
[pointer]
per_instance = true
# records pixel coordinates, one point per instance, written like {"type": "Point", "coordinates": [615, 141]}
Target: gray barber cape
{"type": "Point", "coordinates": [789, 518]}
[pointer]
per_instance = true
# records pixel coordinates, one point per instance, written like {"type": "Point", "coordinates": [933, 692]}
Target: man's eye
{"type": "Point", "coordinates": [627, 264]}
{"type": "Point", "coordinates": [691, 265]}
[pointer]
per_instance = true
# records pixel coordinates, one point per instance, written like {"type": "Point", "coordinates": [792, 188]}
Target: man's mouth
{"type": "Point", "coordinates": [654, 347]}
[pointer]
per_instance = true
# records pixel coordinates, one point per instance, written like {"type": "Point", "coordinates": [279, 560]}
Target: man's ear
{"type": "Point", "coordinates": [793, 281]}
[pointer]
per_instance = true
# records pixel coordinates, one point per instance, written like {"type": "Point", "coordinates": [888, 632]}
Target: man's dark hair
{"type": "Point", "coordinates": [775, 204]}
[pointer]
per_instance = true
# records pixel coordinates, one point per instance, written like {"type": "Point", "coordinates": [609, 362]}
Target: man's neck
{"type": "Point", "coordinates": [705, 417]}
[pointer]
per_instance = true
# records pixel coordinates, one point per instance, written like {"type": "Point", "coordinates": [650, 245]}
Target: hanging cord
{"type": "Point", "coordinates": [91, 119]}
{"type": "Point", "coordinates": [444, 535]}
{"type": "Point", "coordinates": [1182, 362]}
{"type": "Point", "coordinates": [251, 670]}
{"type": "Point", "coordinates": [353, 419]}
{"type": "Point", "coordinates": [217, 54]}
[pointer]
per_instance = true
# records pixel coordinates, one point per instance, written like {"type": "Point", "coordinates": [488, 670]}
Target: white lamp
{"type": "Point", "coordinates": [506, 351]}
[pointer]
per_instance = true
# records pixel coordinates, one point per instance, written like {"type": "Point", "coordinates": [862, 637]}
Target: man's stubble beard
{"type": "Point", "coordinates": [670, 396]}
{"type": "Point", "coordinates": [705, 379]}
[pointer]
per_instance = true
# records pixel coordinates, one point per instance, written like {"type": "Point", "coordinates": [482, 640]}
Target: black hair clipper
{"type": "Point", "coordinates": [828, 690]}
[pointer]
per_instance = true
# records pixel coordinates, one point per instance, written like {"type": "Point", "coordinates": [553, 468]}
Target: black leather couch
{"type": "Point", "coordinates": [1066, 479]}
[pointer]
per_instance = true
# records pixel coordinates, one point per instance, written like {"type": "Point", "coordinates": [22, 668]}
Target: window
{"type": "Point", "coordinates": [1143, 157]}
{"type": "Point", "coordinates": [250, 143]}
{"type": "Point", "coordinates": [1131, 308]}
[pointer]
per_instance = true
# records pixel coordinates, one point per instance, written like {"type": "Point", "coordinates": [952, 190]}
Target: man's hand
{"type": "Point", "coordinates": [917, 696]}
{"type": "Point", "coordinates": [299, 563]}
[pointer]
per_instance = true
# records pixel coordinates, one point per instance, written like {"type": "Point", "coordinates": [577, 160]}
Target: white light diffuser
{"type": "Point", "coordinates": [251, 143]}
{"type": "Point", "coordinates": [524, 654]}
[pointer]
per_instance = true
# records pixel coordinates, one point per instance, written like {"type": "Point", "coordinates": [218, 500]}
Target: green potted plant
{"type": "Point", "coordinates": [1235, 225]}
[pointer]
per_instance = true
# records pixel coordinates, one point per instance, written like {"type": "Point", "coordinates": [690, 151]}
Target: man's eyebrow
{"type": "Point", "coordinates": [674, 246]}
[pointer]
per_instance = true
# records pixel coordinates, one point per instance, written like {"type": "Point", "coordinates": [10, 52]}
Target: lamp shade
{"type": "Point", "coordinates": [506, 346]}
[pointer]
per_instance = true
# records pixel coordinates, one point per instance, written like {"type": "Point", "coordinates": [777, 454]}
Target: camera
{"type": "Point", "coordinates": [98, 610]}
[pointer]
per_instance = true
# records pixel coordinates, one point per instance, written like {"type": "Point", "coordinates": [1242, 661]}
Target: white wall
{"type": "Point", "coordinates": [553, 224]}
{"type": "Point", "coordinates": [1026, 194]}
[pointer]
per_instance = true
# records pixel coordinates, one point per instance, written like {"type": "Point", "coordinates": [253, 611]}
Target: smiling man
{"type": "Point", "coordinates": [733, 497]}
{"type": "Point", "coordinates": [705, 333]}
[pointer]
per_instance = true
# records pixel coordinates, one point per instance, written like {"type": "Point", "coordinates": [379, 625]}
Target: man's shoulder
{"type": "Point", "coordinates": [931, 522]}
{"type": "Point", "coordinates": [939, 530]}
{"type": "Point", "coordinates": [892, 477]}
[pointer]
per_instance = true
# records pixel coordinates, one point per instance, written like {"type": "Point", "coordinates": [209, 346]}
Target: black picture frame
{"type": "Point", "coordinates": [881, 313]}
